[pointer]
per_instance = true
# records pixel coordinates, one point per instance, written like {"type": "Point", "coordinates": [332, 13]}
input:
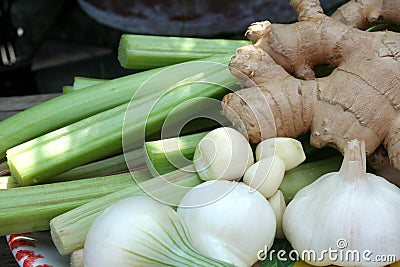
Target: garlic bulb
{"type": "Point", "coordinates": [352, 213]}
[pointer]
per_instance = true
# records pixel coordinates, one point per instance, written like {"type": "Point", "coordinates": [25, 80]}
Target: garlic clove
{"type": "Point", "coordinates": [278, 205]}
{"type": "Point", "coordinates": [265, 175]}
{"type": "Point", "coordinates": [288, 149]}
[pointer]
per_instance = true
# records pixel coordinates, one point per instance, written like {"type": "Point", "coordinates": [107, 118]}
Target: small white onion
{"type": "Point", "coordinates": [140, 231]}
{"type": "Point", "coordinates": [228, 221]}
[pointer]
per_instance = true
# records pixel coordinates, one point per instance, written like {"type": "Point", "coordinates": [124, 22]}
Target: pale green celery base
{"type": "Point", "coordinates": [77, 259]}
{"type": "Point", "coordinates": [69, 230]}
{"type": "Point", "coordinates": [166, 155]}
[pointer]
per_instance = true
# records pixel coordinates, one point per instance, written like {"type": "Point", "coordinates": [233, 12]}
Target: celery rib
{"type": "Point", "coordinates": [35, 206]}
{"type": "Point", "coordinates": [66, 148]}
{"type": "Point", "coordinates": [108, 166]}
{"type": "Point", "coordinates": [142, 51]}
{"type": "Point", "coordinates": [66, 89]}
{"type": "Point", "coordinates": [84, 82]}
{"type": "Point", "coordinates": [81, 83]}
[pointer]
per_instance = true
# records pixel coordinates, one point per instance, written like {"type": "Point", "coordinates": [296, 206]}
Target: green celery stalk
{"type": "Point", "coordinates": [47, 156]}
{"type": "Point", "coordinates": [67, 89]}
{"type": "Point", "coordinates": [81, 83]}
{"type": "Point", "coordinates": [108, 166]}
{"type": "Point", "coordinates": [142, 51]}
{"type": "Point", "coordinates": [166, 155]}
{"type": "Point", "coordinates": [100, 135]}
{"type": "Point", "coordinates": [306, 173]}
{"type": "Point", "coordinates": [84, 82]}
{"type": "Point", "coordinates": [25, 209]}
{"type": "Point", "coordinates": [83, 142]}
{"type": "Point", "coordinates": [69, 229]}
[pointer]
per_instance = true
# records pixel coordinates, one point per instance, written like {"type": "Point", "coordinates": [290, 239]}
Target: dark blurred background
{"type": "Point", "coordinates": [44, 44]}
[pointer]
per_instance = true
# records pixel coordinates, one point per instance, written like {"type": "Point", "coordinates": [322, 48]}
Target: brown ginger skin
{"type": "Point", "coordinates": [360, 99]}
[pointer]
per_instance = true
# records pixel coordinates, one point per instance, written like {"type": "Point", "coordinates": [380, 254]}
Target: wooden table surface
{"type": "Point", "coordinates": [8, 107]}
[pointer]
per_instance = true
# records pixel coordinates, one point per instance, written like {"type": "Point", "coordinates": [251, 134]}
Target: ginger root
{"type": "Point", "coordinates": [360, 99]}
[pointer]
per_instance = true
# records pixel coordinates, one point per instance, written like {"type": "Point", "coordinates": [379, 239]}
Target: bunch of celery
{"type": "Point", "coordinates": [100, 134]}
